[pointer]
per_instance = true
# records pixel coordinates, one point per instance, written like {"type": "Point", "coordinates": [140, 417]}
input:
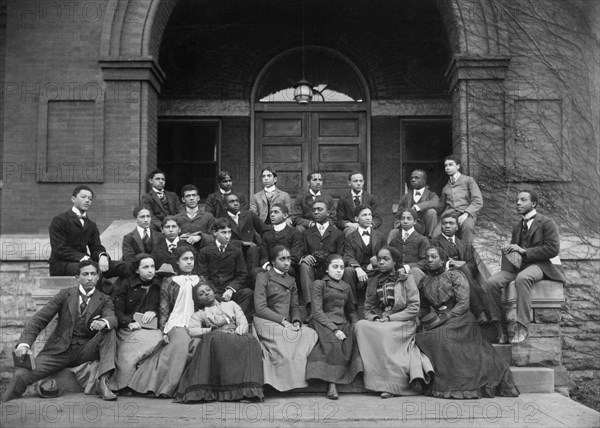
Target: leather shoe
{"type": "Point", "coordinates": [103, 391]}
{"type": "Point", "coordinates": [520, 334]}
{"type": "Point", "coordinates": [502, 338]}
{"type": "Point", "coordinates": [386, 395]}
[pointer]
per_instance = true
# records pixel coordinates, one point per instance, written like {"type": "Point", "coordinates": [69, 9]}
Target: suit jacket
{"type": "Point", "coordinates": [354, 250]}
{"type": "Point", "coordinates": [133, 244]}
{"type": "Point", "coordinates": [466, 252]}
{"type": "Point", "coordinates": [346, 205]}
{"type": "Point", "coordinates": [129, 297]}
{"type": "Point", "coordinates": [215, 204]}
{"type": "Point", "coordinates": [406, 300]}
{"type": "Point", "coordinates": [461, 197]}
{"type": "Point", "coordinates": [248, 228]}
{"type": "Point", "coordinates": [332, 303]}
{"type": "Point", "coordinates": [331, 242]}
{"type": "Point", "coordinates": [151, 201]}
{"type": "Point", "coordinates": [302, 210]}
{"type": "Point", "coordinates": [223, 270]}
{"type": "Point", "coordinates": [289, 237]}
{"type": "Point", "coordinates": [201, 223]}
{"type": "Point", "coordinates": [70, 240]}
{"type": "Point", "coordinates": [258, 203]}
{"type": "Point", "coordinates": [542, 245]}
{"type": "Point", "coordinates": [429, 200]}
{"type": "Point", "coordinates": [65, 304]}
{"type": "Point", "coordinates": [413, 250]}
{"type": "Point", "coordinates": [276, 297]}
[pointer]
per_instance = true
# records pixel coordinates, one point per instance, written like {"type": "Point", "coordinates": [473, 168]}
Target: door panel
{"type": "Point", "coordinates": [295, 143]}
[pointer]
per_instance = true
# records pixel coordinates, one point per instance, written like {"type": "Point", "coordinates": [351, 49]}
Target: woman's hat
{"type": "Point", "coordinates": [165, 270]}
{"type": "Point", "coordinates": [47, 388]}
{"type": "Point", "coordinates": [432, 320]}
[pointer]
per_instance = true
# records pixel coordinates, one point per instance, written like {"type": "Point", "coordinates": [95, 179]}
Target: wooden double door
{"type": "Point", "coordinates": [296, 143]}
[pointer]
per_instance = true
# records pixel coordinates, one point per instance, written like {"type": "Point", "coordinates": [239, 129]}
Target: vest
{"type": "Point", "coordinates": [367, 252]}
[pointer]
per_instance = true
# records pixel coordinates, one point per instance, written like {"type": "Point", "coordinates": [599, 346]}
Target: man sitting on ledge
{"type": "Point", "coordinates": [535, 238]}
{"type": "Point", "coordinates": [85, 332]}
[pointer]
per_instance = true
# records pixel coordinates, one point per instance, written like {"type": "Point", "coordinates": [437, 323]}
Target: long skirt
{"type": "Point", "coordinates": [284, 353]}
{"type": "Point", "coordinates": [224, 367]}
{"type": "Point", "coordinates": [132, 348]}
{"type": "Point", "coordinates": [466, 365]}
{"type": "Point", "coordinates": [160, 374]}
{"type": "Point", "coordinates": [332, 359]}
{"type": "Point", "coordinates": [392, 361]}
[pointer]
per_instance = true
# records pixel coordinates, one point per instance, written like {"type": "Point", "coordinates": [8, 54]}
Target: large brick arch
{"type": "Point", "coordinates": [135, 27]}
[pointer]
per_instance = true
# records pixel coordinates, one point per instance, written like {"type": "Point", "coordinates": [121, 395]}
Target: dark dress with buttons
{"type": "Point", "coordinates": [332, 359]}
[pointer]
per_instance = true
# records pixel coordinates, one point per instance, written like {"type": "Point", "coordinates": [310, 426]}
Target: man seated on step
{"type": "Point", "coordinates": [163, 251]}
{"type": "Point", "coordinates": [85, 332]}
{"type": "Point", "coordinates": [74, 238]}
{"type": "Point", "coordinates": [320, 240]}
{"type": "Point", "coordinates": [215, 202]}
{"type": "Point", "coordinates": [159, 201]}
{"type": "Point", "coordinates": [141, 239]}
{"type": "Point", "coordinates": [535, 239]}
{"type": "Point", "coordinates": [461, 256]}
{"type": "Point", "coordinates": [349, 201]}
{"type": "Point", "coordinates": [302, 215]}
{"type": "Point", "coordinates": [423, 201]}
{"type": "Point", "coordinates": [195, 225]}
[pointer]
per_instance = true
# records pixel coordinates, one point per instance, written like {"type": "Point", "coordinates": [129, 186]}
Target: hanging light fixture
{"type": "Point", "coordinates": [303, 91]}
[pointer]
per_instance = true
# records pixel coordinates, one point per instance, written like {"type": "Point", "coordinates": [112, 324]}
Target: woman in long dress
{"type": "Point", "coordinates": [466, 365]}
{"type": "Point", "coordinates": [335, 358]}
{"type": "Point", "coordinates": [160, 374]}
{"type": "Point", "coordinates": [285, 342]}
{"type": "Point", "coordinates": [227, 361]}
{"type": "Point", "coordinates": [140, 293]}
{"type": "Point", "coordinates": [393, 364]}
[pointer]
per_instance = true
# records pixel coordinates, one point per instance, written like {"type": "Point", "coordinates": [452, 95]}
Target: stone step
{"type": "Point", "coordinates": [533, 379]}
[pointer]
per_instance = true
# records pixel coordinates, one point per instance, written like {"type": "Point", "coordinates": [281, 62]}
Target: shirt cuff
{"type": "Point", "coordinates": [84, 258]}
{"type": "Point", "coordinates": [266, 265]}
{"type": "Point", "coordinates": [448, 265]}
{"type": "Point", "coordinates": [106, 321]}
{"type": "Point", "coordinates": [23, 344]}
{"type": "Point", "coordinates": [231, 288]}
{"type": "Point", "coordinates": [406, 268]}
{"type": "Point", "coordinates": [416, 208]}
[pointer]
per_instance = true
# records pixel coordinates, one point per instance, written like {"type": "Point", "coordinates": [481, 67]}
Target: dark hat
{"type": "Point", "coordinates": [165, 270]}
{"type": "Point", "coordinates": [432, 320]}
{"type": "Point", "coordinates": [47, 388]}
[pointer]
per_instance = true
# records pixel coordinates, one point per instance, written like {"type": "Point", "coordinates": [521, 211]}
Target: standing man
{"type": "Point", "coordinates": [215, 203]}
{"type": "Point", "coordinates": [423, 201]}
{"type": "Point", "coordinates": [460, 196]}
{"type": "Point", "coordinates": [535, 238]}
{"type": "Point", "coordinates": [302, 215]}
{"type": "Point", "coordinates": [262, 201]}
{"type": "Point", "coordinates": [195, 226]}
{"type": "Point", "coordinates": [85, 332]}
{"type": "Point", "coordinates": [75, 238]}
{"type": "Point", "coordinates": [159, 201]}
{"type": "Point", "coordinates": [357, 196]}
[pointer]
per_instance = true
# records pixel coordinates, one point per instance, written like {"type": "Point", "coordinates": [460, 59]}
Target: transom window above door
{"type": "Point", "coordinates": [332, 78]}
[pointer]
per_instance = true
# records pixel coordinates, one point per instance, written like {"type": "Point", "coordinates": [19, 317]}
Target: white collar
{"type": "Point", "coordinates": [530, 214]}
{"type": "Point", "coordinates": [223, 192]}
{"type": "Point", "coordinates": [279, 227]}
{"type": "Point", "coordinates": [141, 231]}
{"type": "Point", "coordinates": [278, 271]}
{"type": "Point", "coordinates": [408, 232]}
{"type": "Point", "coordinates": [270, 189]}
{"type": "Point", "coordinates": [313, 193]}
{"type": "Point", "coordinates": [455, 177]}
{"type": "Point", "coordinates": [232, 215]}
{"type": "Point", "coordinates": [361, 230]}
{"type": "Point", "coordinates": [158, 191]}
{"type": "Point", "coordinates": [175, 241]}
{"type": "Point", "coordinates": [79, 213]}
{"type": "Point", "coordinates": [449, 238]}
{"type": "Point", "coordinates": [193, 211]}
{"type": "Point", "coordinates": [421, 190]}
{"type": "Point", "coordinates": [356, 194]}
{"type": "Point", "coordinates": [84, 293]}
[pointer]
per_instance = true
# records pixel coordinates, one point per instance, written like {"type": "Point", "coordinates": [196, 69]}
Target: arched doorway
{"type": "Point", "coordinates": [330, 134]}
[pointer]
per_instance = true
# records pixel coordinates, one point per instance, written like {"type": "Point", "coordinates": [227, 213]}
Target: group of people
{"type": "Point", "coordinates": [206, 304]}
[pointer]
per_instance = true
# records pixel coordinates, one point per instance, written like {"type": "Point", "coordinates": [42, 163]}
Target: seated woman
{"type": "Point", "coordinates": [466, 365]}
{"type": "Point", "coordinates": [139, 292]}
{"type": "Point", "coordinates": [285, 342]}
{"type": "Point", "coordinates": [335, 358]}
{"type": "Point", "coordinates": [160, 373]}
{"type": "Point", "coordinates": [393, 364]}
{"type": "Point", "coordinates": [227, 361]}
{"type": "Point", "coordinates": [411, 244]}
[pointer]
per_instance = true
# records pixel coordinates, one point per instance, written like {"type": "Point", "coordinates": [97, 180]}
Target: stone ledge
{"type": "Point", "coordinates": [533, 379]}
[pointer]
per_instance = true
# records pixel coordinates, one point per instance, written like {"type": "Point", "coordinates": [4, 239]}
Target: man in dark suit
{"type": "Point", "coordinates": [159, 201]}
{"type": "Point", "coordinates": [461, 256]}
{"type": "Point", "coordinates": [85, 332]}
{"type": "Point", "coordinates": [281, 234]}
{"type": "Point", "coordinates": [357, 196]}
{"type": "Point", "coordinates": [164, 250]}
{"type": "Point", "coordinates": [72, 234]}
{"type": "Point", "coordinates": [361, 248]}
{"type": "Point", "coordinates": [302, 216]}
{"type": "Point", "coordinates": [215, 202]}
{"type": "Point", "coordinates": [423, 201]}
{"type": "Point", "coordinates": [246, 229]}
{"type": "Point", "coordinates": [195, 225]}
{"type": "Point", "coordinates": [222, 264]}
{"type": "Point", "coordinates": [141, 239]}
{"type": "Point", "coordinates": [536, 239]}
{"type": "Point", "coordinates": [320, 240]}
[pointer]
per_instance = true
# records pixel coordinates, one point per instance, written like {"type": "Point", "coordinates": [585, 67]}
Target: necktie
{"type": "Point", "coordinates": [417, 193]}
{"type": "Point", "coordinates": [404, 236]}
{"type": "Point", "coordinates": [82, 218]}
{"type": "Point", "coordinates": [356, 200]}
{"type": "Point", "coordinates": [172, 247]}
{"type": "Point", "coordinates": [160, 195]}
{"type": "Point", "coordinates": [83, 305]}
{"type": "Point", "coordinates": [366, 233]}
{"type": "Point", "coordinates": [222, 248]}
